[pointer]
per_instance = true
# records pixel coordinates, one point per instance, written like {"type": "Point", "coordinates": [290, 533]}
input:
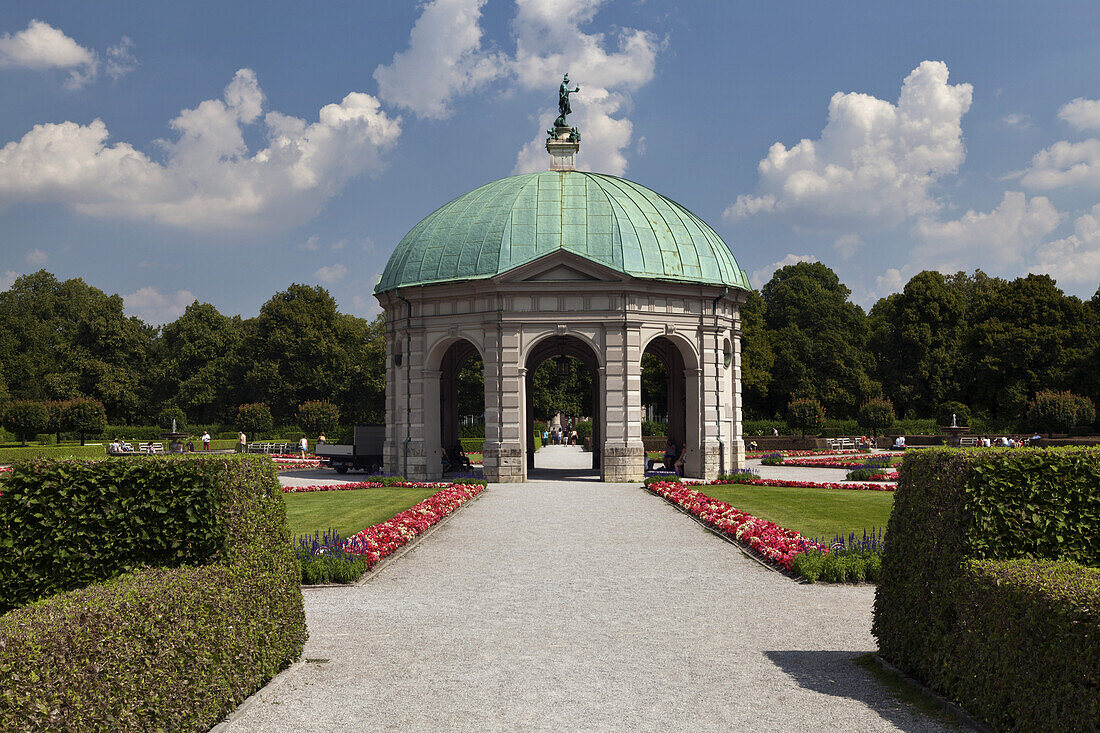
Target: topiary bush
{"type": "Point", "coordinates": [158, 648]}
{"type": "Point", "coordinates": [806, 415]}
{"type": "Point", "coordinates": [1027, 654]}
{"type": "Point", "coordinates": [318, 416]}
{"type": "Point", "coordinates": [877, 416]}
{"type": "Point", "coordinates": [26, 418]}
{"type": "Point", "coordinates": [254, 420]}
{"type": "Point", "coordinates": [954, 506]}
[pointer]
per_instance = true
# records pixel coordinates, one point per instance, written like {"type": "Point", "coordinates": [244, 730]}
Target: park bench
{"type": "Point", "coordinates": [968, 442]}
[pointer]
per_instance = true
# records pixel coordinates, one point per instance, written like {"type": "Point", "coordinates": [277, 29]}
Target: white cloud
{"type": "Point", "coordinates": [41, 46]}
{"type": "Point", "coordinates": [312, 244]}
{"type": "Point", "coordinates": [120, 58]}
{"type": "Point", "coordinates": [8, 278]}
{"type": "Point", "coordinates": [209, 180]}
{"type": "Point", "coordinates": [761, 276]}
{"type": "Point", "coordinates": [36, 257]}
{"type": "Point", "coordinates": [997, 240]}
{"type": "Point", "coordinates": [331, 273]}
{"type": "Point", "coordinates": [1075, 259]}
{"type": "Point", "coordinates": [444, 58]}
{"type": "Point", "coordinates": [847, 245]}
{"type": "Point", "coordinates": [874, 162]}
{"type": "Point", "coordinates": [338, 245]}
{"type": "Point", "coordinates": [1017, 121]}
{"type": "Point", "coordinates": [367, 306]}
{"type": "Point", "coordinates": [1065, 164]}
{"type": "Point", "coordinates": [1081, 113]}
{"type": "Point", "coordinates": [156, 308]}
{"type": "Point", "coordinates": [891, 281]}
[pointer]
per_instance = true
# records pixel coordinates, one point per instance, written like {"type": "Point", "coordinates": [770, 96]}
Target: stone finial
{"type": "Point", "coordinates": [563, 144]}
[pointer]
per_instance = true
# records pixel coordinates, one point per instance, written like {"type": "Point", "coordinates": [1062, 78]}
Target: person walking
{"type": "Point", "coordinates": [206, 440]}
{"type": "Point", "coordinates": [303, 446]}
{"type": "Point", "coordinates": [242, 443]}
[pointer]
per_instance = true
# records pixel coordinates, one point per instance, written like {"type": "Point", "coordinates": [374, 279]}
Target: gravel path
{"type": "Point", "coordinates": [580, 606]}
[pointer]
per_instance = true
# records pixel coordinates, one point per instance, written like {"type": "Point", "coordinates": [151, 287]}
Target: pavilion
{"type": "Point", "coordinates": [562, 263]}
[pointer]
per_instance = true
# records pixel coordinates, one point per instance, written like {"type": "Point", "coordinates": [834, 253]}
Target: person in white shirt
{"type": "Point", "coordinates": [205, 440]}
{"type": "Point", "coordinates": [303, 445]}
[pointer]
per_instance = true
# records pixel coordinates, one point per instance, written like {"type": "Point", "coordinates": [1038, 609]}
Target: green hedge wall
{"type": "Point", "coordinates": [10, 455]}
{"type": "Point", "coordinates": [952, 506]}
{"type": "Point", "coordinates": [472, 445]}
{"type": "Point", "coordinates": [1027, 652]}
{"type": "Point", "coordinates": [158, 648]}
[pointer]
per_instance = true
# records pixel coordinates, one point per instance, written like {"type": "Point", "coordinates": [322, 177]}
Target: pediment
{"type": "Point", "coordinates": [562, 266]}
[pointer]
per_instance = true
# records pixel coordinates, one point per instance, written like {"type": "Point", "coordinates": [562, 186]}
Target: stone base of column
{"type": "Point", "coordinates": [623, 463]}
{"type": "Point", "coordinates": [417, 468]}
{"type": "Point", "coordinates": [722, 459]}
{"type": "Point", "coordinates": [503, 463]}
{"type": "Point", "coordinates": [735, 456]}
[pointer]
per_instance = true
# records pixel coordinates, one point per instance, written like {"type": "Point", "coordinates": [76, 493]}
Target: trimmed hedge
{"type": "Point", "coordinates": [953, 506]}
{"type": "Point", "coordinates": [159, 648]}
{"type": "Point", "coordinates": [9, 455]}
{"type": "Point", "coordinates": [1027, 652]}
{"type": "Point", "coordinates": [472, 445]}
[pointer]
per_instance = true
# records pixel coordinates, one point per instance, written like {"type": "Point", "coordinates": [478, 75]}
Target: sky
{"type": "Point", "coordinates": [222, 151]}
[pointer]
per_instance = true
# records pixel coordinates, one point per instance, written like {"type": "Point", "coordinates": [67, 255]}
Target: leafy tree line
{"type": "Point", "coordinates": [62, 340]}
{"type": "Point", "coordinates": [969, 344]}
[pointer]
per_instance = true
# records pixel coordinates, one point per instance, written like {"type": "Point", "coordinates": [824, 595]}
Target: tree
{"type": "Point", "coordinates": [26, 417]}
{"type": "Point", "coordinates": [254, 419]}
{"type": "Point", "coordinates": [199, 356]}
{"type": "Point", "coordinates": [916, 338]}
{"type": "Point", "coordinates": [818, 339]}
{"type": "Point", "coordinates": [1086, 411]}
{"type": "Point", "coordinates": [654, 383]}
{"type": "Point", "coordinates": [805, 414]}
{"type": "Point", "coordinates": [757, 356]}
{"type": "Point", "coordinates": [1052, 411]}
{"type": "Point", "coordinates": [569, 394]}
{"type": "Point", "coordinates": [876, 416]}
{"type": "Point", "coordinates": [318, 416]}
{"type": "Point", "coordinates": [84, 415]}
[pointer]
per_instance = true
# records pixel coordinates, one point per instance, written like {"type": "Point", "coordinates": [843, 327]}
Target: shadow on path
{"type": "Point", "coordinates": [835, 673]}
{"type": "Point", "coordinates": [582, 475]}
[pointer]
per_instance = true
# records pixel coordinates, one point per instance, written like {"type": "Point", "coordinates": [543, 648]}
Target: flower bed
{"type": "Point", "coordinates": [834, 463]}
{"type": "Point", "coordinates": [772, 542]}
{"type": "Point", "coordinates": [368, 484]}
{"type": "Point", "coordinates": [803, 484]}
{"type": "Point", "coordinates": [381, 540]}
{"type": "Point", "coordinates": [795, 453]}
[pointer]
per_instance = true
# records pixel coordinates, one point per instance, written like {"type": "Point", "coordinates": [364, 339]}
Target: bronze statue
{"type": "Point", "coordinates": [563, 101]}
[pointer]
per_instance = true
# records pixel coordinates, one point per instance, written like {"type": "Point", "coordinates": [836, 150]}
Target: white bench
{"type": "Point", "coordinates": [968, 442]}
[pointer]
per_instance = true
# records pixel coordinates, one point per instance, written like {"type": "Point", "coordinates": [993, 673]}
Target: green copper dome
{"type": "Point", "coordinates": [609, 220]}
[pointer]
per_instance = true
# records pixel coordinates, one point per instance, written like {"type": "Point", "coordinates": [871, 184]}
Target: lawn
{"type": "Point", "coordinates": [348, 512]}
{"type": "Point", "coordinates": [817, 513]}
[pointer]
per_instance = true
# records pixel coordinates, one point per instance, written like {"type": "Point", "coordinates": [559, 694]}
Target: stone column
{"type": "Point", "coordinates": [432, 454]}
{"type": "Point", "coordinates": [394, 390]}
{"type": "Point", "coordinates": [623, 458]}
{"type": "Point", "coordinates": [715, 428]}
{"type": "Point", "coordinates": [504, 437]}
{"type": "Point", "coordinates": [693, 463]}
{"type": "Point", "coordinates": [736, 453]}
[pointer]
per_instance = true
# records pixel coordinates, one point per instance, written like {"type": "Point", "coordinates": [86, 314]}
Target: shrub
{"type": "Point", "coordinates": [158, 648]}
{"type": "Point", "coordinates": [651, 427]}
{"type": "Point", "coordinates": [1086, 411]}
{"type": "Point", "coordinates": [472, 445]}
{"type": "Point", "coordinates": [1052, 412]}
{"type": "Point", "coordinates": [170, 413]}
{"type": "Point", "coordinates": [476, 430]}
{"type": "Point", "coordinates": [323, 560]}
{"type": "Point", "coordinates": [772, 459]}
{"type": "Point", "coordinates": [318, 416]}
{"type": "Point", "coordinates": [584, 429]}
{"type": "Point", "coordinates": [877, 416]}
{"type": "Point", "coordinates": [737, 478]}
{"type": "Point", "coordinates": [1026, 655]}
{"type": "Point", "coordinates": [806, 415]}
{"type": "Point", "coordinates": [945, 410]}
{"type": "Point", "coordinates": [24, 417]}
{"type": "Point", "coordinates": [8, 455]}
{"type": "Point", "coordinates": [254, 420]}
{"type": "Point", "coordinates": [861, 474]}
{"type": "Point", "coordinates": [84, 416]}
{"type": "Point", "coordinates": [658, 479]}
{"type": "Point", "coordinates": [954, 506]}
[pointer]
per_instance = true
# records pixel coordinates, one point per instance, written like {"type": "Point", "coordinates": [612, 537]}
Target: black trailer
{"type": "Point", "coordinates": [364, 455]}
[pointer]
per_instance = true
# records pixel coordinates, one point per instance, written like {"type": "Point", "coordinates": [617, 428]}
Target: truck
{"type": "Point", "coordinates": [365, 453]}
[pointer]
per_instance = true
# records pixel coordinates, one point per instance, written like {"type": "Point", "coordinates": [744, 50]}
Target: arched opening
{"type": "Point", "coordinates": [461, 404]}
{"type": "Point", "coordinates": [665, 397]}
{"type": "Point", "coordinates": [562, 378]}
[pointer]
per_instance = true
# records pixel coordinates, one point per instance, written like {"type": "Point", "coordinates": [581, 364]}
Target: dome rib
{"type": "Point", "coordinates": [609, 220]}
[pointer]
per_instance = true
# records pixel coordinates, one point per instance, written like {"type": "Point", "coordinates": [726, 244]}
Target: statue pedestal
{"type": "Point", "coordinates": [563, 150]}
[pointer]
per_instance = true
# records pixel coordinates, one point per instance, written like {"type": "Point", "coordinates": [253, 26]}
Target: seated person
{"type": "Point", "coordinates": [115, 447]}
{"type": "Point", "coordinates": [459, 459]}
{"type": "Point", "coordinates": [752, 445]}
{"type": "Point", "coordinates": [678, 466]}
{"type": "Point", "coordinates": [900, 442]}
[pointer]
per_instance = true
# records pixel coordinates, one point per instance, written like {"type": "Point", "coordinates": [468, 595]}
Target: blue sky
{"type": "Point", "coordinates": [220, 151]}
